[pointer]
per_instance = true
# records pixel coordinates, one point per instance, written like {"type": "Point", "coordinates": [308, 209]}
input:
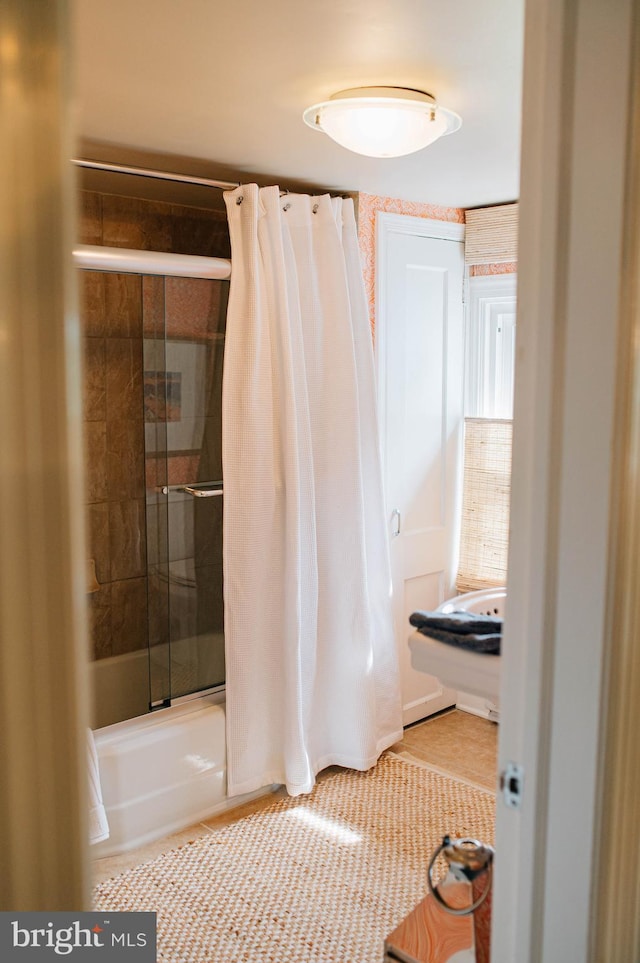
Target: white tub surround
{"type": "Point", "coordinates": [162, 772]}
{"type": "Point", "coordinates": [98, 822]}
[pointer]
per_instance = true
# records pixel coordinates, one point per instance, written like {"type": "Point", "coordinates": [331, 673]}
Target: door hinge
{"type": "Point", "coordinates": [512, 785]}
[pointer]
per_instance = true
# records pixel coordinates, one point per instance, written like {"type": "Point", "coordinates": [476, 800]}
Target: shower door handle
{"type": "Point", "coordinates": [204, 490]}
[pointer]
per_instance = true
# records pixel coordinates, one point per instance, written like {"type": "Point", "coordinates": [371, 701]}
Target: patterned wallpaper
{"type": "Point", "coordinates": [484, 270]}
{"type": "Point", "coordinates": [368, 207]}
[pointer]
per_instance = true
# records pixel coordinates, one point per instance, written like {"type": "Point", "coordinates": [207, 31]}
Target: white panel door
{"type": "Point", "coordinates": [419, 339]}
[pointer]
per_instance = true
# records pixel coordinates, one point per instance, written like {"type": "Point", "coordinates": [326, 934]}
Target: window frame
{"type": "Point", "coordinates": [490, 299]}
{"type": "Point", "coordinates": [488, 398]}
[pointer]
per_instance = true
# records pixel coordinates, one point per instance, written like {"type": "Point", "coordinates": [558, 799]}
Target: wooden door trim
{"type": "Point", "coordinates": [570, 257]}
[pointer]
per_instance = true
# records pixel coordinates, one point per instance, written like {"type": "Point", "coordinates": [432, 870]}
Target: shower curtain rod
{"type": "Point", "coordinates": [158, 175]}
{"type": "Point", "coordinates": [166, 175]}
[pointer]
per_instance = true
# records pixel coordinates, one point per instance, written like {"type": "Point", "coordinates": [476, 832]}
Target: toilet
{"type": "Point", "coordinates": [460, 669]}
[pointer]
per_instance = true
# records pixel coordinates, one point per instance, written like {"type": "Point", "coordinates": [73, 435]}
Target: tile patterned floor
{"type": "Point", "coordinates": [453, 741]}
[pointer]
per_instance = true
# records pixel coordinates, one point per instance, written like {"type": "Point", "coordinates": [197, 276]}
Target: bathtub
{"type": "Point", "coordinates": [476, 677]}
{"type": "Point", "coordinates": [162, 772]}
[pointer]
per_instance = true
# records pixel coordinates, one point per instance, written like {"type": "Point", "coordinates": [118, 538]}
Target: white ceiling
{"type": "Point", "coordinates": [226, 84]}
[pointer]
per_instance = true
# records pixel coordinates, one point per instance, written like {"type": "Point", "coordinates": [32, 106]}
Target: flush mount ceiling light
{"type": "Point", "coordinates": [382, 121]}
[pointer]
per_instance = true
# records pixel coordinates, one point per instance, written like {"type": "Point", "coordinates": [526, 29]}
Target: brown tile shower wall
{"type": "Point", "coordinates": [112, 320]}
{"type": "Point", "coordinates": [144, 225]}
{"type": "Point", "coordinates": [114, 445]}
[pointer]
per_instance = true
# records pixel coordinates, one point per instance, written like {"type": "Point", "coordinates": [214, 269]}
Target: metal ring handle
{"type": "Point", "coordinates": [465, 910]}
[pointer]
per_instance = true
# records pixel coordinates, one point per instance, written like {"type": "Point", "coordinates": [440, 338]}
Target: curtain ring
{"type": "Point", "coordinates": [315, 208]}
{"type": "Point", "coordinates": [240, 199]}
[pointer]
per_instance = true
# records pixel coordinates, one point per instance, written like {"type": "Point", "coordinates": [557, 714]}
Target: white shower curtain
{"type": "Point", "coordinates": [312, 675]}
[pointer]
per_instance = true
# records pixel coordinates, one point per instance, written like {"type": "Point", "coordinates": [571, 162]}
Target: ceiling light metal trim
{"type": "Point", "coordinates": [382, 121]}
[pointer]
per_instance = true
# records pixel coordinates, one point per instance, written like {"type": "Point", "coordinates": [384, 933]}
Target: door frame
{"type": "Point", "coordinates": [387, 225]}
{"type": "Point", "coordinates": [44, 683]}
{"type": "Point", "coordinates": [578, 65]}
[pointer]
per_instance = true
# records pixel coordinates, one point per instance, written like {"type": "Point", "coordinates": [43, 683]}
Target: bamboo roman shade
{"type": "Point", "coordinates": [491, 234]}
{"type": "Point", "coordinates": [484, 537]}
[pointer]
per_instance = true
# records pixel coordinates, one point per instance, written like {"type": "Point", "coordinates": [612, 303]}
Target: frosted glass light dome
{"type": "Point", "coordinates": [382, 121]}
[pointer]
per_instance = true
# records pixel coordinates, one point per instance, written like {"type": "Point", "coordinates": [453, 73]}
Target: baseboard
{"type": "Point", "coordinates": [478, 706]}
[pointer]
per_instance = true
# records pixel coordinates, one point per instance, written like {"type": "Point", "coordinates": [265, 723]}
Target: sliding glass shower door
{"type": "Point", "coordinates": [184, 328]}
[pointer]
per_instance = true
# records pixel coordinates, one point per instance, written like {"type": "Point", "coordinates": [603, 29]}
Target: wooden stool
{"type": "Point", "coordinates": [431, 935]}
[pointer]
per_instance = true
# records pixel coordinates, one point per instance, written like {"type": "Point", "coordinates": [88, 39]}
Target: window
{"type": "Point", "coordinates": [489, 368]}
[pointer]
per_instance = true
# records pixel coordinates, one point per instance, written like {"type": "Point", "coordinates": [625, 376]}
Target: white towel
{"type": "Point", "coordinates": [98, 825]}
